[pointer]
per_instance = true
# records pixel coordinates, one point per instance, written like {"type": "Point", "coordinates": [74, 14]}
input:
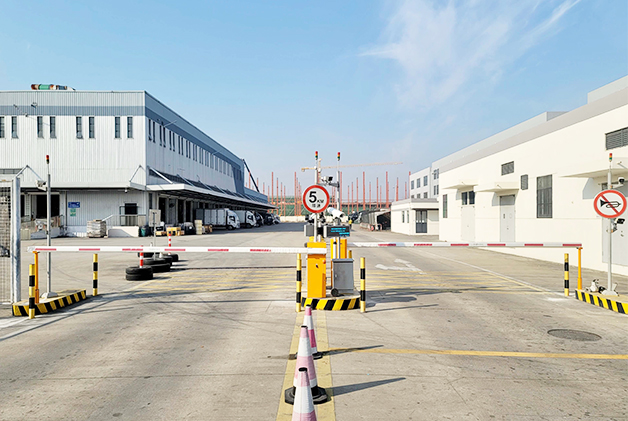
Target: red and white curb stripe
{"type": "Point", "coordinates": [474, 244]}
{"type": "Point", "coordinates": [122, 249]}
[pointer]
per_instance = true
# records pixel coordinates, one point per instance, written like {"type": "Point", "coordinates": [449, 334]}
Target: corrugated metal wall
{"type": "Point", "coordinates": [100, 204]}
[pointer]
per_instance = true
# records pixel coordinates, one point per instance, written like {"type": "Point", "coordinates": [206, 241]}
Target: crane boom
{"type": "Point", "coordinates": [354, 165]}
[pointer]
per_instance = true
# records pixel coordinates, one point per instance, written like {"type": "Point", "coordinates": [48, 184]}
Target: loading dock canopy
{"type": "Point", "coordinates": [179, 186]}
{"type": "Point", "coordinates": [462, 185]}
{"type": "Point", "coordinates": [599, 168]}
{"type": "Point", "coordinates": [498, 186]}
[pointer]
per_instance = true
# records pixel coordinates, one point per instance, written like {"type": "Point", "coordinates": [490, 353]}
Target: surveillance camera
{"type": "Point", "coordinates": [621, 180]}
{"type": "Point", "coordinates": [620, 221]}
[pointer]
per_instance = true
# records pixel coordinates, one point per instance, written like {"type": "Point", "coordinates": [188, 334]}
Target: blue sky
{"type": "Point", "coordinates": [379, 81]}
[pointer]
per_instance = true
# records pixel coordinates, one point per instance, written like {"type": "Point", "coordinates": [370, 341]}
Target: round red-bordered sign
{"type": "Point", "coordinates": [609, 203]}
{"type": "Point", "coordinates": [315, 199]}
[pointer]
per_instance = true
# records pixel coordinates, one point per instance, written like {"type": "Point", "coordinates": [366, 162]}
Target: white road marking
{"type": "Point", "coordinates": [407, 268]}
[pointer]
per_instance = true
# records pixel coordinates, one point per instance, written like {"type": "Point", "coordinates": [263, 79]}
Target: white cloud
{"type": "Point", "coordinates": [444, 48]}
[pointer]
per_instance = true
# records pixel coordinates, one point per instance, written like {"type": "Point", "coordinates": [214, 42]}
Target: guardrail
{"type": "Point", "coordinates": [122, 249]}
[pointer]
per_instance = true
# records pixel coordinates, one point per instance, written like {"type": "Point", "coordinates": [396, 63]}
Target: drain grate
{"type": "Point", "coordinates": [575, 335]}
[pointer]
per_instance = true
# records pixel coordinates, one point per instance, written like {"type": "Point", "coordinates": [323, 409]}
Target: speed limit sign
{"type": "Point", "coordinates": [315, 199]}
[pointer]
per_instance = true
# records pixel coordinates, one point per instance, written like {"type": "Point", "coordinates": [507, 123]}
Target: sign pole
{"type": "Point", "coordinates": [610, 230]}
{"type": "Point", "coordinates": [49, 293]}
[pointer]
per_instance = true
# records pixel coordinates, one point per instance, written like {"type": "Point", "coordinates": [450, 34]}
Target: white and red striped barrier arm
{"type": "Point", "coordinates": [463, 244]}
{"type": "Point", "coordinates": [122, 249]}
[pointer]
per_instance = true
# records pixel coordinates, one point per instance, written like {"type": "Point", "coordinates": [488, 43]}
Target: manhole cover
{"type": "Point", "coordinates": [576, 335]}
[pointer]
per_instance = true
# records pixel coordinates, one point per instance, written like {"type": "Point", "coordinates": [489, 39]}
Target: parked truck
{"type": "Point", "coordinates": [247, 218]}
{"type": "Point", "coordinates": [219, 218]}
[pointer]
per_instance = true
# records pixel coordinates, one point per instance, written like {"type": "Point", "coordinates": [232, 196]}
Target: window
{"type": "Point", "coordinates": [544, 196]}
{"type": "Point", "coordinates": [468, 198]}
{"type": "Point", "coordinates": [508, 168]}
{"type": "Point", "coordinates": [129, 127]}
{"type": "Point", "coordinates": [436, 190]}
{"type": "Point", "coordinates": [436, 174]}
{"type": "Point", "coordinates": [79, 127]}
{"type": "Point", "coordinates": [117, 128]}
{"type": "Point", "coordinates": [418, 183]}
{"type": "Point", "coordinates": [53, 127]}
{"type": "Point", "coordinates": [40, 127]}
{"type": "Point", "coordinates": [403, 217]}
{"type": "Point", "coordinates": [617, 139]}
{"type": "Point", "coordinates": [1, 127]}
{"type": "Point", "coordinates": [14, 127]}
{"type": "Point", "coordinates": [412, 184]}
{"type": "Point", "coordinates": [425, 195]}
{"type": "Point", "coordinates": [524, 182]}
{"type": "Point", "coordinates": [130, 208]}
{"type": "Point", "coordinates": [92, 129]}
{"type": "Point", "coordinates": [444, 206]}
{"type": "Point", "coordinates": [425, 181]}
{"type": "Point", "coordinates": [163, 136]}
{"type": "Point", "coordinates": [154, 134]}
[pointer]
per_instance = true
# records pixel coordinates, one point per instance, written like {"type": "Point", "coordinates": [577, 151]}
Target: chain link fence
{"type": "Point", "coordinates": [5, 242]}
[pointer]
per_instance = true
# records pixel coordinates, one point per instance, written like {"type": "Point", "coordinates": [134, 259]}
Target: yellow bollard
{"type": "Point", "coordinates": [579, 267]}
{"type": "Point", "coordinates": [95, 276]}
{"type": "Point", "coordinates": [566, 274]}
{"type": "Point", "coordinates": [299, 280]}
{"type": "Point", "coordinates": [31, 291]}
{"type": "Point", "coordinates": [36, 253]}
{"type": "Point", "coordinates": [362, 285]}
{"type": "Point", "coordinates": [350, 254]}
{"type": "Point", "coordinates": [343, 248]}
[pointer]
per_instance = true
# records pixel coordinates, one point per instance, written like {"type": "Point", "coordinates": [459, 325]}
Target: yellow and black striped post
{"type": "Point", "coordinates": [36, 255]}
{"type": "Point", "coordinates": [579, 267]}
{"type": "Point", "coordinates": [299, 279]}
{"type": "Point", "coordinates": [566, 274]}
{"type": "Point", "coordinates": [31, 291]}
{"type": "Point", "coordinates": [362, 285]}
{"type": "Point", "coordinates": [95, 276]}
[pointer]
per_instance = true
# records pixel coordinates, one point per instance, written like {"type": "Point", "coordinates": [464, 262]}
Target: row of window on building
{"type": "Point", "coordinates": [52, 127]}
{"type": "Point", "coordinates": [418, 182]}
{"type": "Point", "coordinates": [543, 196]}
{"type": "Point", "coordinates": [184, 147]}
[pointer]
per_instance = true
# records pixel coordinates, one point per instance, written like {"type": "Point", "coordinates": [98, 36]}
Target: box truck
{"type": "Point", "coordinates": [247, 218]}
{"type": "Point", "coordinates": [219, 218]}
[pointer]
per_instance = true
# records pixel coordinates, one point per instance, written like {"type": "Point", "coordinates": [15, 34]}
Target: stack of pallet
{"type": "Point", "coordinates": [175, 230]}
{"type": "Point", "coordinates": [96, 228]}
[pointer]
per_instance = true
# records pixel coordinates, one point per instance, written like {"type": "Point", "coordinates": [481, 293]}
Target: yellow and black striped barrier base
{"type": "Point", "coordinates": [64, 299]}
{"type": "Point", "coordinates": [599, 300]}
{"type": "Point", "coordinates": [332, 303]}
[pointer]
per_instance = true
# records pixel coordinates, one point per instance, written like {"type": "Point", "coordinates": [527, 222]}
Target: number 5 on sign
{"type": "Point", "coordinates": [315, 199]}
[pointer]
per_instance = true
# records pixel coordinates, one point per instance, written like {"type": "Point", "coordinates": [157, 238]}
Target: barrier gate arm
{"type": "Point", "coordinates": [472, 244]}
{"type": "Point", "coordinates": [123, 249]}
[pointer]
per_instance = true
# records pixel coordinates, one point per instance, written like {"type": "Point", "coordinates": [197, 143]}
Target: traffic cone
{"type": "Point", "coordinates": [303, 404]}
{"type": "Point", "coordinates": [305, 360]}
{"type": "Point", "coordinates": [309, 322]}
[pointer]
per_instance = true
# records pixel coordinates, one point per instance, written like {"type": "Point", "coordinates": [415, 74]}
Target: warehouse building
{"type": "Point", "coordinates": [536, 182]}
{"type": "Point", "coordinates": [114, 156]}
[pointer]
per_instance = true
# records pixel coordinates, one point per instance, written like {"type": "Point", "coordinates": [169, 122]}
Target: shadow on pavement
{"type": "Point", "coordinates": [341, 390]}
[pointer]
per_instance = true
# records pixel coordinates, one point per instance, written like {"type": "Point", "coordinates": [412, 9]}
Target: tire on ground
{"type": "Point", "coordinates": [175, 257]}
{"type": "Point", "coordinates": [167, 258]}
{"type": "Point", "coordinates": [135, 273]}
{"type": "Point", "coordinates": [147, 254]}
{"type": "Point", "coordinates": [159, 268]}
{"type": "Point", "coordinates": [155, 261]}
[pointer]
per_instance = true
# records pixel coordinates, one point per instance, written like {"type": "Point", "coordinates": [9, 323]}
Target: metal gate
{"type": "Point", "coordinates": [5, 242]}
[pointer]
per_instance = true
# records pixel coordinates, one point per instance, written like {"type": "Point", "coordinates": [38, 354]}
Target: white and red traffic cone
{"type": "Point", "coordinates": [309, 322]}
{"type": "Point", "coordinates": [305, 360]}
{"type": "Point", "coordinates": [303, 404]}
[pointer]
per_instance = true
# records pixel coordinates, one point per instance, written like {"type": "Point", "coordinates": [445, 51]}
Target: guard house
{"type": "Point", "coordinates": [414, 216]}
{"type": "Point", "coordinates": [114, 156]}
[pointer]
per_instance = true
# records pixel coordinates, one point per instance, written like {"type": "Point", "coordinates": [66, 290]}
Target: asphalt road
{"type": "Point", "coordinates": [459, 334]}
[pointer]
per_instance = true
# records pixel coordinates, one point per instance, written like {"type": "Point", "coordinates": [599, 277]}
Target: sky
{"type": "Point", "coordinates": [380, 81]}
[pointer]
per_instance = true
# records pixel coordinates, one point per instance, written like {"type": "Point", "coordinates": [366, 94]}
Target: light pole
{"type": "Point", "coordinates": [49, 293]}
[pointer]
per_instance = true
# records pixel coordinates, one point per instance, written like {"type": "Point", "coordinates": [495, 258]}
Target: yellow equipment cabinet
{"type": "Point", "coordinates": [317, 271]}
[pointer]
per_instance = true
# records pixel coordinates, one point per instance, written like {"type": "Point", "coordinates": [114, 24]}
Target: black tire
{"type": "Point", "coordinates": [175, 257]}
{"type": "Point", "coordinates": [155, 261]}
{"type": "Point", "coordinates": [147, 254]}
{"type": "Point", "coordinates": [167, 258]}
{"type": "Point", "coordinates": [135, 273]}
{"type": "Point", "coordinates": [165, 267]}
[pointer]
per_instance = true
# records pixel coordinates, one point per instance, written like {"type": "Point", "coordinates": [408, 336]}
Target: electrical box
{"type": "Point", "coordinates": [317, 271]}
{"type": "Point", "coordinates": [343, 276]}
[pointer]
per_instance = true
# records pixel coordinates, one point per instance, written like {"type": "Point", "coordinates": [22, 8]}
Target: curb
{"type": "Point", "coordinates": [65, 298]}
{"type": "Point", "coordinates": [332, 304]}
{"type": "Point", "coordinates": [599, 301]}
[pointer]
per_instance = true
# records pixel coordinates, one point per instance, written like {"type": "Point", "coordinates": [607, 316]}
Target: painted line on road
{"type": "Point", "coordinates": [284, 412]}
{"type": "Point", "coordinates": [508, 278]}
{"type": "Point", "coordinates": [492, 353]}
